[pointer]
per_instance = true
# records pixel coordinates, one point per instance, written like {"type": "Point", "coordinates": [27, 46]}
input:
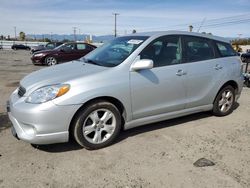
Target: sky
{"type": "Point", "coordinates": [227, 18]}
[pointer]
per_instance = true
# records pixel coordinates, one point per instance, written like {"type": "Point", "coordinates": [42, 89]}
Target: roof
{"type": "Point", "coordinates": [160, 33]}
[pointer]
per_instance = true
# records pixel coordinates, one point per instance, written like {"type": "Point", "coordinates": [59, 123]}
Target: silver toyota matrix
{"type": "Point", "coordinates": [131, 81]}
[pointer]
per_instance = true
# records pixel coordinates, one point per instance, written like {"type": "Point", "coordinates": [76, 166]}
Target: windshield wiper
{"type": "Point", "coordinates": [90, 61]}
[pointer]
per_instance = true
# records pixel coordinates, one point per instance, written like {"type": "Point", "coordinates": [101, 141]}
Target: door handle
{"type": "Point", "coordinates": [218, 67]}
{"type": "Point", "coordinates": [180, 72]}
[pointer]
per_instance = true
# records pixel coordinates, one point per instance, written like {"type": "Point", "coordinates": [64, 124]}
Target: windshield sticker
{"type": "Point", "coordinates": [135, 41]}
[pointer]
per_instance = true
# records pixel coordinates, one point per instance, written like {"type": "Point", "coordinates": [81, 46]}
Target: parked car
{"type": "Point", "coordinates": [20, 47]}
{"type": "Point", "coordinates": [131, 81]}
{"type": "Point", "coordinates": [48, 46]}
{"type": "Point", "coordinates": [65, 52]}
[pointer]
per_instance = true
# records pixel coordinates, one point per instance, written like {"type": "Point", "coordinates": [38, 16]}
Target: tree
{"type": "Point", "coordinates": [47, 40]}
{"type": "Point", "coordinates": [66, 40]}
{"type": "Point", "coordinates": [22, 35]}
{"type": "Point", "coordinates": [190, 28]}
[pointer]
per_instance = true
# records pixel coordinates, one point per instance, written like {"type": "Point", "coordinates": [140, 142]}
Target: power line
{"type": "Point", "coordinates": [238, 19]}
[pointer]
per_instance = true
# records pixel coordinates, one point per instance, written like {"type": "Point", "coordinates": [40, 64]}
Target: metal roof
{"type": "Point", "coordinates": [161, 33]}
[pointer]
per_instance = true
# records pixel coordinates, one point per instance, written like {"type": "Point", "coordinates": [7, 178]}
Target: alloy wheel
{"type": "Point", "coordinates": [226, 101]}
{"type": "Point", "coordinates": [99, 126]}
{"type": "Point", "coordinates": [51, 61]}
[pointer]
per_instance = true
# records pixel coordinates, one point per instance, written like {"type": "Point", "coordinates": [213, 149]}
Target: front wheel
{"type": "Point", "coordinates": [50, 61]}
{"type": "Point", "coordinates": [224, 101]}
{"type": "Point", "coordinates": [97, 125]}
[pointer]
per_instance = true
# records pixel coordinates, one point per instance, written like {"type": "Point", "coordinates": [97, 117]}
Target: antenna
{"type": "Point", "coordinates": [203, 21]}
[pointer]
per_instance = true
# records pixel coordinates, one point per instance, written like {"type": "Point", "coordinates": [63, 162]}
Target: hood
{"type": "Point", "coordinates": [62, 73]}
{"type": "Point", "coordinates": [43, 50]}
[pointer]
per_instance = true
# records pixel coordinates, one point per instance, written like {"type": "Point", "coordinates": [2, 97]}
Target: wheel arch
{"type": "Point", "coordinates": [110, 99]}
{"type": "Point", "coordinates": [231, 83]}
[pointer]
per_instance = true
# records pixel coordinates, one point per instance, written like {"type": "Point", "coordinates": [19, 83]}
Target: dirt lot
{"type": "Point", "coordinates": [156, 155]}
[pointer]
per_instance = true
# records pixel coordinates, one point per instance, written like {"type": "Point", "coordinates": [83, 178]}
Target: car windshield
{"type": "Point", "coordinates": [114, 52]}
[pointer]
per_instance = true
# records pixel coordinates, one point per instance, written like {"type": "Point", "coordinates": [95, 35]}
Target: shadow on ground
{"type": "Point", "coordinates": [72, 145]}
{"type": "Point", "coordinates": [4, 121]}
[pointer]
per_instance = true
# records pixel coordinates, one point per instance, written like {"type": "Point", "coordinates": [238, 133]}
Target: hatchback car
{"type": "Point", "coordinates": [131, 81]}
{"type": "Point", "coordinates": [63, 53]}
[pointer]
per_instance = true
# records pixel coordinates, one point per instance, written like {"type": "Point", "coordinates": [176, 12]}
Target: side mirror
{"type": "Point", "coordinates": [142, 64]}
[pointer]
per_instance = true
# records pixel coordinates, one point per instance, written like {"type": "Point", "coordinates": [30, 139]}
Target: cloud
{"type": "Point", "coordinates": [95, 16]}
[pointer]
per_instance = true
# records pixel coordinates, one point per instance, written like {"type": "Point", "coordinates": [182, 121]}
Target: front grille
{"type": "Point", "coordinates": [21, 91]}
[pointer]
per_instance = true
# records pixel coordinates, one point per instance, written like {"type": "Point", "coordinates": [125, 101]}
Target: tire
{"type": "Point", "coordinates": [102, 123]}
{"type": "Point", "coordinates": [224, 101]}
{"type": "Point", "coordinates": [247, 82]}
{"type": "Point", "coordinates": [50, 61]}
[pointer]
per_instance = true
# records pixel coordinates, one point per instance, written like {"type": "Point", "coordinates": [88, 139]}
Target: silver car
{"type": "Point", "coordinates": [131, 81]}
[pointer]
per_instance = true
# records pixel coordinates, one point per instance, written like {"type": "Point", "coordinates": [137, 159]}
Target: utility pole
{"type": "Point", "coordinates": [15, 31]}
{"type": "Point", "coordinates": [116, 14]}
{"type": "Point", "coordinates": [74, 31]}
{"type": "Point", "coordinates": [51, 36]}
{"type": "Point", "coordinates": [80, 33]}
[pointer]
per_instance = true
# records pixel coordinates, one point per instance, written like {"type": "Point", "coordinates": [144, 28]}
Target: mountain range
{"type": "Point", "coordinates": [60, 37]}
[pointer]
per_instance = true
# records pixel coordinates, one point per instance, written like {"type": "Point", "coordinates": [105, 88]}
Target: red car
{"type": "Point", "coordinates": [65, 52]}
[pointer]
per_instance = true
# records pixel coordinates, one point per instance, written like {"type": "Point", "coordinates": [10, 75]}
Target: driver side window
{"type": "Point", "coordinates": [69, 47]}
{"type": "Point", "coordinates": [164, 51]}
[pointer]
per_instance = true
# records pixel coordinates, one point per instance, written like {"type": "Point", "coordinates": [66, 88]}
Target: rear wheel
{"type": "Point", "coordinates": [224, 102]}
{"type": "Point", "coordinates": [50, 61]}
{"type": "Point", "coordinates": [97, 125]}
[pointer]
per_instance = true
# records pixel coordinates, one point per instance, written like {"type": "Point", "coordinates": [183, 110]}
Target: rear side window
{"type": "Point", "coordinates": [81, 46]}
{"type": "Point", "coordinates": [50, 46]}
{"type": "Point", "coordinates": [198, 49]}
{"type": "Point", "coordinates": [225, 49]}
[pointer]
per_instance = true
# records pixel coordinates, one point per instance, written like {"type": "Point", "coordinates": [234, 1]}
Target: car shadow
{"type": "Point", "coordinates": [161, 125]}
{"type": "Point", "coordinates": [4, 121]}
{"type": "Point", "coordinates": [58, 148]}
{"type": "Point", "coordinates": [72, 145]}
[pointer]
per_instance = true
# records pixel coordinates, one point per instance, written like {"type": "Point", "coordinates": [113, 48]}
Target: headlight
{"type": "Point", "coordinates": [39, 55]}
{"type": "Point", "coordinates": [47, 93]}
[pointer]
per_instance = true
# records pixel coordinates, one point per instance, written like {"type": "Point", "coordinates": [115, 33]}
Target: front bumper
{"type": "Point", "coordinates": [45, 123]}
{"type": "Point", "coordinates": [37, 60]}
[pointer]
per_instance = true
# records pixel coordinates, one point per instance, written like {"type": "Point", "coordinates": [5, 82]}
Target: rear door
{"type": "Point", "coordinates": [203, 70]}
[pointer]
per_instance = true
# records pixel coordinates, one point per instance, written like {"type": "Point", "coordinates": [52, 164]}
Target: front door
{"type": "Point", "coordinates": [68, 52]}
{"type": "Point", "coordinates": [160, 89]}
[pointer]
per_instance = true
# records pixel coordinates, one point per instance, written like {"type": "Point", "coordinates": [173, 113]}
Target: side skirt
{"type": "Point", "coordinates": [166, 116]}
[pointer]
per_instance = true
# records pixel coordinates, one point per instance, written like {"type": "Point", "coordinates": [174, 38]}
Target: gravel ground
{"type": "Point", "coordinates": [155, 155]}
